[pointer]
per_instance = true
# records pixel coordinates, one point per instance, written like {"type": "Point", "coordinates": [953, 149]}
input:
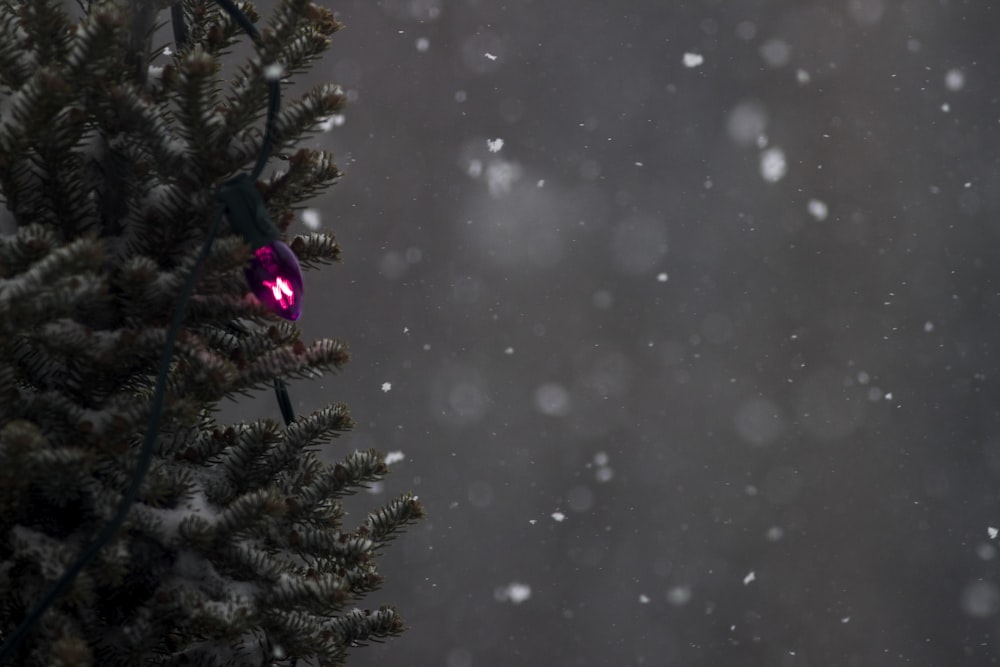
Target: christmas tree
{"type": "Point", "coordinates": [116, 173]}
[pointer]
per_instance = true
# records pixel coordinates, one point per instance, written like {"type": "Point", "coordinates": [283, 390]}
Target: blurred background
{"type": "Point", "coordinates": [681, 319]}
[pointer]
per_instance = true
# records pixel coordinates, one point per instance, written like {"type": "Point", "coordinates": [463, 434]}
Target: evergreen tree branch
{"type": "Point", "coordinates": [309, 172]}
{"type": "Point", "coordinates": [92, 49]}
{"type": "Point", "coordinates": [336, 481]}
{"type": "Point", "coordinates": [386, 522]}
{"type": "Point", "coordinates": [315, 249]}
{"type": "Point", "coordinates": [200, 122]}
{"type": "Point", "coordinates": [28, 245]}
{"type": "Point", "coordinates": [151, 130]}
{"type": "Point", "coordinates": [234, 542]}
{"type": "Point", "coordinates": [46, 18]}
{"type": "Point", "coordinates": [15, 65]}
{"type": "Point", "coordinates": [298, 33]}
{"type": "Point", "coordinates": [357, 626]}
{"type": "Point", "coordinates": [298, 362]}
{"type": "Point", "coordinates": [300, 116]}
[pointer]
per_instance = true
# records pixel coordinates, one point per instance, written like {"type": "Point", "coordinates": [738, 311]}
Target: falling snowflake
{"type": "Point", "coordinates": [515, 592]}
{"type": "Point", "coordinates": [394, 457]}
{"type": "Point", "coordinates": [494, 144]}
{"type": "Point", "coordinates": [818, 209]}
{"type": "Point", "coordinates": [500, 177]}
{"type": "Point", "coordinates": [954, 79]}
{"type": "Point", "coordinates": [775, 53]}
{"type": "Point", "coordinates": [310, 218]}
{"type": "Point", "coordinates": [773, 166]}
{"type": "Point", "coordinates": [386, 386]}
{"type": "Point", "coordinates": [751, 576]}
{"type": "Point", "coordinates": [679, 595]}
{"type": "Point", "coordinates": [693, 59]}
{"type": "Point", "coordinates": [327, 124]}
{"type": "Point", "coordinates": [274, 71]}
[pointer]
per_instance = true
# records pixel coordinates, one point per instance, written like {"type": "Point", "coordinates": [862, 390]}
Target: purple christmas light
{"type": "Point", "coordinates": [276, 279]}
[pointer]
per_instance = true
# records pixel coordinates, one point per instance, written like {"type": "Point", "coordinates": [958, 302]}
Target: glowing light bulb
{"type": "Point", "coordinates": [276, 279]}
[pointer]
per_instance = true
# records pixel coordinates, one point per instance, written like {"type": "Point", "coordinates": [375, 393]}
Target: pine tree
{"type": "Point", "coordinates": [236, 550]}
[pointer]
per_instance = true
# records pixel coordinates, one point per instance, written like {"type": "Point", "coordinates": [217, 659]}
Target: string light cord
{"type": "Point", "coordinates": [280, 388]}
{"type": "Point", "coordinates": [284, 401]}
{"type": "Point", "coordinates": [141, 467]}
{"type": "Point", "coordinates": [274, 87]}
{"type": "Point", "coordinates": [146, 451]}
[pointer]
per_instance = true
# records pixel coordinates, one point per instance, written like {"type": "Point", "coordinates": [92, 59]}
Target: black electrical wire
{"type": "Point", "coordinates": [280, 388]}
{"type": "Point", "coordinates": [284, 401]}
{"type": "Point", "coordinates": [180, 29]}
{"type": "Point", "coordinates": [141, 467]}
{"type": "Point", "coordinates": [274, 87]}
{"type": "Point", "coordinates": [146, 452]}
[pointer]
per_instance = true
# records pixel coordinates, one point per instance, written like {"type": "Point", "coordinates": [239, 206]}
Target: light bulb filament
{"type": "Point", "coordinates": [280, 289]}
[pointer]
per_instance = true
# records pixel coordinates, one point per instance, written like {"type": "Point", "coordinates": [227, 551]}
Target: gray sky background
{"type": "Point", "coordinates": [699, 366]}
